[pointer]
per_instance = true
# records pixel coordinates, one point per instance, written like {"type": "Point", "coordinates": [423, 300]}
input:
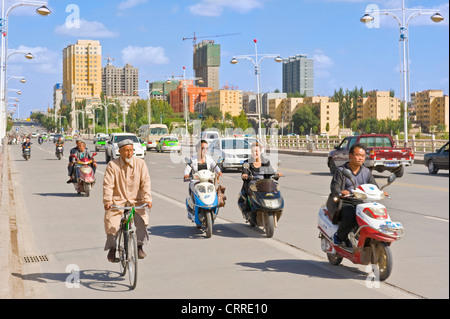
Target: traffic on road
{"type": "Point", "coordinates": [278, 259]}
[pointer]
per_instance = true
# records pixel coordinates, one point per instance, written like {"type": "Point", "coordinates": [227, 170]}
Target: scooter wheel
{"type": "Point", "coordinates": [334, 259]}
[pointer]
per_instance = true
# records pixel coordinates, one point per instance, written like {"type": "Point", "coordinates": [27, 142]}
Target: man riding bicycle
{"type": "Point", "coordinates": [126, 183]}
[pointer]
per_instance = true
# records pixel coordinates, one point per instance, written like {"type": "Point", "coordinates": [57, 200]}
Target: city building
{"type": "Point", "coordinates": [432, 110]}
{"type": "Point", "coordinates": [82, 64]}
{"type": "Point", "coordinates": [207, 63]}
{"type": "Point", "coordinates": [379, 105]}
{"type": "Point", "coordinates": [283, 110]}
{"type": "Point", "coordinates": [265, 97]}
{"type": "Point", "coordinates": [120, 83]}
{"type": "Point", "coordinates": [57, 95]}
{"type": "Point", "coordinates": [249, 102]}
{"type": "Point", "coordinates": [160, 90]}
{"type": "Point", "coordinates": [194, 94]}
{"type": "Point", "coordinates": [298, 75]}
{"type": "Point", "coordinates": [228, 101]}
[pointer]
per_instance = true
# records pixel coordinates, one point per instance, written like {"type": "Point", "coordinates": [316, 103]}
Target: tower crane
{"type": "Point", "coordinates": [194, 38]}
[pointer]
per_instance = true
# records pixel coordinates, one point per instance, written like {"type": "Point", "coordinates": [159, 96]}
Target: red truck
{"type": "Point", "coordinates": [381, 155]}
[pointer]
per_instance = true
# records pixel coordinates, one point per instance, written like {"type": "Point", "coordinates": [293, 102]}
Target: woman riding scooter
{"type": "Point", "coordinates": [199, 162]}
{"type": "Point", "coordinates": [258, 167]}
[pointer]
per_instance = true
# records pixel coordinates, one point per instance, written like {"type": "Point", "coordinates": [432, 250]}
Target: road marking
{"type": "Point", "coordinates": [437, 218]}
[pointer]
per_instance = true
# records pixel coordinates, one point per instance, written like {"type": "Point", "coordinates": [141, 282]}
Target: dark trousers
{"type": "Point", "coordinates": [348, 220]}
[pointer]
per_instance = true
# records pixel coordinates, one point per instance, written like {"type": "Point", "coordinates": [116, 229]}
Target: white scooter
{"type": "Point", "coordinates": [203, 205]}
{"type": "Point", "coordinates": [371, 240]}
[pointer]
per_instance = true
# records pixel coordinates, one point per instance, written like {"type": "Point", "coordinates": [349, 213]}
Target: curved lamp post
{"type": "Point", "coordinates": [403, 23]}
{"type": "Point", "coordinates": [256, 60]}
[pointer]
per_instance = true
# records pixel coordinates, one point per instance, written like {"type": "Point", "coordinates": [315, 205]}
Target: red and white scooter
{"type": "Point", "coordinates": [84, 174]}
{"type": "Point", "coordinates": [372, 238]}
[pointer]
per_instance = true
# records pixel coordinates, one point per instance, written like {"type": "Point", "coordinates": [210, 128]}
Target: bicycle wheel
{"type": "Point", "coordinates": [122, 241]}
{"type": "Point", "coordinates": [132, 258]}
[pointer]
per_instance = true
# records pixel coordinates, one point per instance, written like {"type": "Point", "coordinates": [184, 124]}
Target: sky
{"type": "Point", "coordinates": [149, 34]}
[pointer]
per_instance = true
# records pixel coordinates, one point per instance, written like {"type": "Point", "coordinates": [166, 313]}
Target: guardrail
{"type": "Point", "coordinates": [316, 143]}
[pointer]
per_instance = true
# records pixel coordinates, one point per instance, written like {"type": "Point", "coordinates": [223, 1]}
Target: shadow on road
{"type": "Point", "coordinates": [231, 230]}
{"type": "Point", "coordinates": [302, 267]}
{"type": "Point", "coordinates": [100, 280]}
{"type": "Point", "coordinates": [60, 194]}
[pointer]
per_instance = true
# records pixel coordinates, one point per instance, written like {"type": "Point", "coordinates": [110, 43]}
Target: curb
{"type": "Point", "coordinates": [5, 242]}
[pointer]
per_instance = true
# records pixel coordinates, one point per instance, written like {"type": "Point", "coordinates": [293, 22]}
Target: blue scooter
{"type": "Point", "coordinates": [202, 204]}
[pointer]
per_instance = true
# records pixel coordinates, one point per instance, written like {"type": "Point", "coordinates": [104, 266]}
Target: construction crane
{"type": "Point", "coordinates": [108, 59]}
{"type": "Point", "coordinates": [194, 38]}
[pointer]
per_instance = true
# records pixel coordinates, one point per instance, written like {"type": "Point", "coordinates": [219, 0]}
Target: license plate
{"type": "Point", "coordinates": [394, 225]}
{"type": "Point", "coordinates": [391, 164]}
{"type": "Point", "coordinates": [242, 161]}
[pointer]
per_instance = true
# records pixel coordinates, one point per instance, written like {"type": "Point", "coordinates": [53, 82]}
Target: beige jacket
{"type": "Point", "coordinates": [124, 184]}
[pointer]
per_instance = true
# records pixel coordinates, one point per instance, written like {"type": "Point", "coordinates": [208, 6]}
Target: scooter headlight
{"type": "Point", "coordinates": [359, 195]}
{"type": "Point", "coordinates": [201, 189]}
{"type": "Point", "coordinates": [271, 203]}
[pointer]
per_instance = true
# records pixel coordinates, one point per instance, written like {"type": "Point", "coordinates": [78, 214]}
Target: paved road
{"type": "Point", "coordinates": [238, 261]}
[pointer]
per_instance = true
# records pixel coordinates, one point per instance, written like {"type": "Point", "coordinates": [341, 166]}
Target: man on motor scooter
{"type": "Point", "coordinates": [80, 151]}
{"type": "Point", "coordinates": [341, 185]}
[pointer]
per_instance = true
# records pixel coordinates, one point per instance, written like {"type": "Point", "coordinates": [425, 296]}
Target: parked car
{"type": "Point", "coordinates": [168, 144]}
{"type": "Point", "coordinates": [233, 150]}
{"type": "Point", "coordinates": [112, 148]}
{"type": "Point", "coordinates": [209, 136]}
{"type": "Point", "coordinates": [438, 160]}
{"type": "Point", "coordinates": [381, 154]}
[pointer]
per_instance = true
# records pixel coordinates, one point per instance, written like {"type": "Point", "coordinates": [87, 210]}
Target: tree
{"type": "Point", "coordinates": [306, 120]}
{"type": "Point", "coordinates": [241, 121]}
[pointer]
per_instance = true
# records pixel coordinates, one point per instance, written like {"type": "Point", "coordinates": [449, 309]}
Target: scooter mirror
{"type": "Point", "coordinates": [187, 160]}
{"type": "Point", "coordinates": [94, 154]}
{"type": "Point", "coordinates": [220, 160]}
{"type": "Point", "coordinates": [347, 173]}
{"type": "Point", "coordinates": [391, 178]}
{"type": "Point", "coordinates": [245, 165]}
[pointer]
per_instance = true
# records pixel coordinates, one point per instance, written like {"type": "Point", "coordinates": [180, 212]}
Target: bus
{"type": "Point", "coordinates": [152, 133]}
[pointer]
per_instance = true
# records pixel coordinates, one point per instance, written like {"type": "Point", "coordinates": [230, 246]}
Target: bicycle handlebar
{"type": "Point", "coordinates": [135, 207]}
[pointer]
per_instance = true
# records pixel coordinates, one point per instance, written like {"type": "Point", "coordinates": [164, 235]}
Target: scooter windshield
{"type": "Point", "coordinates": [266, 186]}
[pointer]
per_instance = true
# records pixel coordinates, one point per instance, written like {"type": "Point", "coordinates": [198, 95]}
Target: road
{"type": "Point", "coordinates": [66, 229]}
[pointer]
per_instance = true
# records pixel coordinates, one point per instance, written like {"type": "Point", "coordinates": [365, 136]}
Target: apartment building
{"type": "Point", "coordinates": [432, 109]}
{"type": "Point", "coordinates": [379, 105]}
{"type": "Point", "coordinates": [194, 95]}
{"type": "Point", "coordinates": [228, 101]}
{"type": "Point", "coordinates": [82, 64]}
{"type": "Point", "coordinates": [207, 63]}
{"type": "Point", "coordinates": [298, 75]}
{"type": "Point", "coordinates": [328, 112]}
{"type": "Point", "coordinates": [118, 82]}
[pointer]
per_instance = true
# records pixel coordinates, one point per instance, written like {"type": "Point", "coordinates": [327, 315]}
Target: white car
{"type": "Point", "coordinates": [233, 150]}
{"type": "Point", "coordinates": [112, 148]}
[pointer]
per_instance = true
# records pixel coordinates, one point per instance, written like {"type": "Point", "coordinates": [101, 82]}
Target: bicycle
{"type": "Point", "coordinates": [127, 244]}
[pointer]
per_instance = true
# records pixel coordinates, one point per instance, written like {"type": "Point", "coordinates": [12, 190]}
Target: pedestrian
{"type": "Point", "coordinates": [126, 183]}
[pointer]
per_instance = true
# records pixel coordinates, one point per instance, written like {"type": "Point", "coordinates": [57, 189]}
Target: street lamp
{"type": "Point", "coordinates": [257, 64]}
{"type": "Point", "coordinates": [41, 10]}
{"type": "Point", "coordinates": [403, 24]}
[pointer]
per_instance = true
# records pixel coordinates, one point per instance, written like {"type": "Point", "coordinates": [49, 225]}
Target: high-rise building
{"type": "Point", "coordinates": [57, 95]}
{"type": "Point", "coordinates": [298, 75]}
{"type": "Point", "coordinates": [82, 63]}
{"type": "Point", "coordinates": [207, 63]}
{"type": "Point", "coordinates": [120, 81]}
{"type": "Point", "coordinates": [121, 84]}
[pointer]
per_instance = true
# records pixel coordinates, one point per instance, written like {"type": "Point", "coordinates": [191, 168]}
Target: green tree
{"type": "Point", "coordinates": [241, 121]}
{"type": "Point", "coordinates": [306, 120]}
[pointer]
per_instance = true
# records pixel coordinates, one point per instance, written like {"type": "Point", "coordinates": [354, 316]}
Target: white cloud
{"type": "Point", "coordinates": [86, 29]}
{"type": "Point", "coordinates": [144, 55]}
{"type": "Point", "coordinates": [214, 8]}
{"type": "Point", "coordinates": [44, 61]}
{"type": "Point", "coordinates": [322, 63]}
{"type": "Point", "coordinates": [130, 3]}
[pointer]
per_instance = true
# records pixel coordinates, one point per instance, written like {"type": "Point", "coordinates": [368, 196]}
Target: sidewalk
{"type": "Point", "coordinates": [5, 240]}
